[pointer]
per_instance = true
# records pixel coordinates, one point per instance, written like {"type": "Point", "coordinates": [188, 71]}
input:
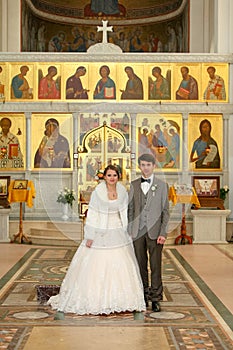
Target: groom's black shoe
{"type": "Point", "coordinates": [155, 306]}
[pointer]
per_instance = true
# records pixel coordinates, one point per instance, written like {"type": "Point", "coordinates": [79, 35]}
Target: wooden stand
{"type": "Point", "coordinates": [24, 195]}
{"type": "Point", "coordinates": [183, 196]}
{"type": "Point", "coordinates": [20, 235]}
{"type": "Point", "coordinates": [183, 236]}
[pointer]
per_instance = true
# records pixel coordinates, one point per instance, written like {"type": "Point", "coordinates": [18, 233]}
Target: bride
{"type": "Point", "coordinates": [103, 276]}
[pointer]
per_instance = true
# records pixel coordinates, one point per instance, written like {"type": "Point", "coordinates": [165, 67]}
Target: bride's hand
{"type": "Point", "coordinates": [89, 243]}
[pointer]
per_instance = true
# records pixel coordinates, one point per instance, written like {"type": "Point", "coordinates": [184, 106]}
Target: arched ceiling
{"type": "Point", "coordinates": [134, 11]}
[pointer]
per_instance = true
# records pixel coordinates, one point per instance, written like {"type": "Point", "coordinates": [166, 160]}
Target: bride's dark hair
{"type": "Point", "coordinates": [112, 167]}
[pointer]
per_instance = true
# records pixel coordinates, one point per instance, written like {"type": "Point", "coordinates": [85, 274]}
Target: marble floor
{"type": "Point", "coordinates": [197, 310]}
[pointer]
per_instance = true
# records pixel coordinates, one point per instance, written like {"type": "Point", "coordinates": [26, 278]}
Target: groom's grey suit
{"type": "Point", "coordinates": [148, 217]}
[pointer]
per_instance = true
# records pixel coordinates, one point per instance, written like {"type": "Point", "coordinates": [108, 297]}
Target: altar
{"type": "Point", "coordinates": [209, 226]}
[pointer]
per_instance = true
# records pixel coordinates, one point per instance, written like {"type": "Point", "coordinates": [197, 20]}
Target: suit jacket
{"type": "Point", "coordinates": [157, 207]}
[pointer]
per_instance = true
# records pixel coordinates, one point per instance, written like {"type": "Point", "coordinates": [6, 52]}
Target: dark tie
{"type": "Point", "coordinates": [145, 180]}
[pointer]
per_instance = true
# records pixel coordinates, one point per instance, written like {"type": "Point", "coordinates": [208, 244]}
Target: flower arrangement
{"type": "Point", "coordinates": [99, 175]}
{"type": "Point", "coordinates": [223, 192]}
{"type": "Point", "coordinates": [66, 196]}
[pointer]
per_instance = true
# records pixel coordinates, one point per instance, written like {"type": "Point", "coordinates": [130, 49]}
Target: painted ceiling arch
{"type": "Point", "coordinates": [130, 11]}
{"type": "Point", "coordinates": [148, 26]}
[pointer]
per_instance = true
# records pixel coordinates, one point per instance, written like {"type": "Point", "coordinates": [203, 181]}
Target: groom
{"type": "Point", "coordinates": [148, 215]}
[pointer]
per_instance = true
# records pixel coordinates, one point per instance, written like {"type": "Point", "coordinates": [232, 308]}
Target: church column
{"type": "Point", "coordinates": [3, 22]}
{"type": "Point", "coordinates": [10, 16]}
{"type": "Point", "coordinates": [211, 26]}
{"type": "Point", "coordinates": [75, 137]}
{"type": "Point", "coordinates": [223, 26]}
{"type": "Point", "coordinates": [185, 151]}
{"type": "Point", "coordinates": [230, 146]}
{"type": "Point", "coordinates": [196, 26]}
{"type": "Point", "coordinates": [208, 25]}
{"type": "Point", "coordinates": [225, 141]}
{"type": "Point", "coordinates": [230, 168]}
{"type": "Point", "coordinates": [27, 158]}
{"type": "Point", "coordinates": [76, 115]}
{"type": "Point", "coordinates": [133, 144]}
{"type": "Point", "coordinates": [226, 179]}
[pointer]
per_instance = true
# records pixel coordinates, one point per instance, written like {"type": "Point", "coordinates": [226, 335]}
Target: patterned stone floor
{"type": "Point", "coordinates": [185, 322]}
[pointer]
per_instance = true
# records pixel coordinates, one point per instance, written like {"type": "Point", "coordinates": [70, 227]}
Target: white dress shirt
{"type": "Point", "coordinates": [145, 186]}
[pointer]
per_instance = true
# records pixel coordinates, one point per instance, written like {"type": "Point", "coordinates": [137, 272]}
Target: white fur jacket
{"type": "Point", "coordinates": [98, 209]}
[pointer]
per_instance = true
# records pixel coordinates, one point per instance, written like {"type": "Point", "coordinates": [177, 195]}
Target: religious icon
{"type": "Point", "coordinates": [12, 143]}
{"type": "Point", "coordinates": [160, 136]}
{"type": "Point", "coordinates": [74, 86]}
{"type": "Point", "coordinates": [188, 88]}
{"type": "Point", "coordinates": [20, 184]}
{"type": "Point", "coordinates": [105, 87]}
{"type": "Point", "coordinates": [134, 86]}
{"type": "Point", "coordinates": [49, 84]}
{"type": "Point", "coordinates": [215, 82]}
{"type": "Point", "coordinates": [54, 149]}
{"type": "Point", "coordinates": [4, 184]}
{"type": "Point", "coordinates": [205, 141]}
{"type": "Point", "coordinates": [2, 84]}
{"type": "Point", "coordinates": [159, 84]}
{"type": "Point", "coordinates": [19, 85]}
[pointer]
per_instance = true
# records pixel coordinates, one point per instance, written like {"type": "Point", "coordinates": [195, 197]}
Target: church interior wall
{"type": "Point", "coordinates": [49, 182]}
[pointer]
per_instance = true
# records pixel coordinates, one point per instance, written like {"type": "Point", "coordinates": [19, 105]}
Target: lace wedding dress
{"type": "Point", "coordinates": [104, 278]}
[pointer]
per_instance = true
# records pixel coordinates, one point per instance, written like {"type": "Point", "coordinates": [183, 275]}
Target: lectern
{"type": "Point", "coordinates": [185, 195]}
{"type": "Point", "coordinates": [21, 191]}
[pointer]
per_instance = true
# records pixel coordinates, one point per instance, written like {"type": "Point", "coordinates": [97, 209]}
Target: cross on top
{"type": "Point", "coordinates": [104, 29]}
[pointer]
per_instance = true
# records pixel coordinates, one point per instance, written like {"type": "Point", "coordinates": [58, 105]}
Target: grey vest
{"type": "Point", "coordinates": [143, 211]}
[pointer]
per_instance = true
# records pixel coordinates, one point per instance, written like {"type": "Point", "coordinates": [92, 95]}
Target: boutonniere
{"type": "Point", "coordinates": [153, 189]}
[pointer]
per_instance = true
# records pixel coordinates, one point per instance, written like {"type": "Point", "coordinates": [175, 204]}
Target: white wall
{"type": "Point", "coordinates": [10, 25]}
{"type": "Point", "coordinates": [196, 26]}
{"type": "Point", "coordinates": [223, 10]}
{"type": "Point", "coordinates": [211, 26]}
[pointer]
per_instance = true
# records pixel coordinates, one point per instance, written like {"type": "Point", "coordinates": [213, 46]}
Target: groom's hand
{"type": "Point", "coordinates": [161, 240]}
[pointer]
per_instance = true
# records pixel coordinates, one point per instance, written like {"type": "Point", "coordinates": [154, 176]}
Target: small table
{"type": "Point", "coordinates": [21, 196]}
{"type": "Point", "coordinates": [209, 226]}
{"type": "Point", "coordinates": [183, 199]}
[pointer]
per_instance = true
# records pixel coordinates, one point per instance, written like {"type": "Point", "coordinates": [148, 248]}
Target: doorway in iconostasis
{"type": "Point", "coordinates": [104, 139]}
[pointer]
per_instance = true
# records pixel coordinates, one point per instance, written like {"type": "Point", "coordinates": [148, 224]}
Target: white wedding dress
{"type": "Point", "coordinates": [104, 278]}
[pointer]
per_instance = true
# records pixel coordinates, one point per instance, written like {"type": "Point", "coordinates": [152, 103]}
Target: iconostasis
{"type": "Point", "coordinates": [103, 137]}
{"type": "Point", "coordinates": [78, 145]}
{"type": "Point", "coordinates": [59, 81]}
